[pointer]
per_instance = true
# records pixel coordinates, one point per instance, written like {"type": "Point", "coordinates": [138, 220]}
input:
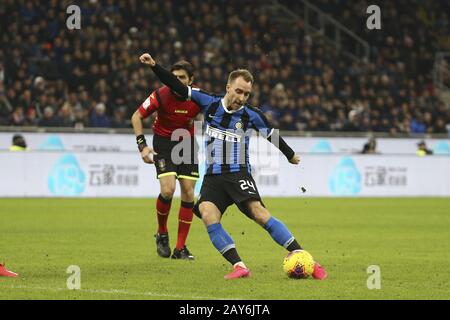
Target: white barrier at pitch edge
{"type": "Point", "coordinates": [123, 174]}
{"type": "Point", "coordinates": [126, 142]}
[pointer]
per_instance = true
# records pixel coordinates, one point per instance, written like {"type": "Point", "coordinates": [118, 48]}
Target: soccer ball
{"type": "Point", "coordinates": [298, 264]}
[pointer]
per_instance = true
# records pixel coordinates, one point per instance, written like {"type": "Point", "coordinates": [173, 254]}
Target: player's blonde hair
{"type": "Point", "coordinates": [244, 73]}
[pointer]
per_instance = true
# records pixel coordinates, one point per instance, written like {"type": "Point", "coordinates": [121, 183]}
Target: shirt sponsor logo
{"type": "Point", "coordinates": [222, 135]}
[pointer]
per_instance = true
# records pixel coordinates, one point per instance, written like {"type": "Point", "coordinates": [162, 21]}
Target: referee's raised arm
{"type": "Point", "coordinates": [166, 76]}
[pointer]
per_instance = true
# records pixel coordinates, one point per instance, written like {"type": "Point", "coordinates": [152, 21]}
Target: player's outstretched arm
{"type": "Point", "coordinates": [166, 76]}
{"type": "Point", "coordinates": [261, 124]}
{"type": "Point", "coordinates": [281, 144]}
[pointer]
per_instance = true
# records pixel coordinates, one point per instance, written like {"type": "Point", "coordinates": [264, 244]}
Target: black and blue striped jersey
{"type": "Point", "coordinates": [227, 133]}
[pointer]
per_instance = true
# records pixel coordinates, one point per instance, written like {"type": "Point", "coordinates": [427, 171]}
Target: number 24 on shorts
{"type": "Point", "coordinates": [245, 184]}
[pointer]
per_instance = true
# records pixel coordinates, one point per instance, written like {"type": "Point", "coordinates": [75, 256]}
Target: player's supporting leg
{"type": "Point", "coordinates": [279, 232]}
{"type": "Point", "coordinates": [184, 219]}
{"type": "Point", "coordinates": [163, 204]}
{"type": "Point", "coordinates": [221, 240]}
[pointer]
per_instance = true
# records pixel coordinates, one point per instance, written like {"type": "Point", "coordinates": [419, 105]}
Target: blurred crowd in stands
{"type": "Point", "coordinates": [54, 77]}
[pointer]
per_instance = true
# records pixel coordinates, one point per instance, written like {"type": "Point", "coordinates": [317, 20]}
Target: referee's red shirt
{"type": "Point", "coordinates": [172, 112]}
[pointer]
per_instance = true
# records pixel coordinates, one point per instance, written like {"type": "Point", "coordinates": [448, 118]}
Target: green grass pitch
{"type": "Point", "coordinates": [111, 240]}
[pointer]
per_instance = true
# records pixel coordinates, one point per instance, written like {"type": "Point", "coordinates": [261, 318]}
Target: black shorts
{"type": "Point", "coordinates": [165, 165]}
{"type": "Point", "coordinates": [225, 189]}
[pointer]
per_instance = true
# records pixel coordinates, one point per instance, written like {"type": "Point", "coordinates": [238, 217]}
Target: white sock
{"type": "Point", "coordinates": [241, 264]}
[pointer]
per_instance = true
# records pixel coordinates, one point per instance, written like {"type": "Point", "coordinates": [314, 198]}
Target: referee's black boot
{"type": "Point", "coordinates": [182, 253]}
{"type": "Point", "coordinates": [162, 245]}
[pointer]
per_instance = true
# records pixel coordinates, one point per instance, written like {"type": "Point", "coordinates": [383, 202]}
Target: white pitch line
{"type": "Point", "coordinates": [117, 291]}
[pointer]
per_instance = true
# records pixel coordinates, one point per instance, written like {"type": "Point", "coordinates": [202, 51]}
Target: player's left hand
{"type": "Point", "coordinates": [295, 159]}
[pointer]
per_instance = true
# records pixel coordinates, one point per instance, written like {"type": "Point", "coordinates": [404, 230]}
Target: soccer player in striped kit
{"type": "Point", "coordinates": [228, 178]}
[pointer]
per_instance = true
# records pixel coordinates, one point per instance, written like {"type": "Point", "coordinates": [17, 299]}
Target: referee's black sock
{"type": "Point", "coordinates": [232, 256]}
{"type": "Point", "coordinates": [164, 200]}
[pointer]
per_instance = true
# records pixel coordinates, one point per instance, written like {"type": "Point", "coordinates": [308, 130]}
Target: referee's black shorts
{"type": "Point", "coordinates": [226, 189]}
{"type": "Point", "coordinates": [165, 165]}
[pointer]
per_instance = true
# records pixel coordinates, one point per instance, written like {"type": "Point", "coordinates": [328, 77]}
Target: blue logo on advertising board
{"type": "Point", "coordinates": [52, 143]}
{"type": "Point", "coordinates": [441, 147]}
{"type": "Point", "coordinates": [66, 178]}
{"type": "Point", "coordinates": [345, 179]}
{"type": "Point", "coordinates": [322, 146]}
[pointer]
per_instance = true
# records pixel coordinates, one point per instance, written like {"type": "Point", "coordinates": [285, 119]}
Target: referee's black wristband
{"type": "Point", "coordinates": [141, 142]}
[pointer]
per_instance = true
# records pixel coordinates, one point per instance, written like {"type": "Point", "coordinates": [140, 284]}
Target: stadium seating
{"type": "Point", "coordinates": [52, 76]}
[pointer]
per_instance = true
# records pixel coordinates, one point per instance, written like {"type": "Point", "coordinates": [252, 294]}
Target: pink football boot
{"type": "Point", "coordinates": [238, 272]}
{"type": "Point", "coordinates": [6, 273]}
{"type": "Point", "coordinates": [319, 272]}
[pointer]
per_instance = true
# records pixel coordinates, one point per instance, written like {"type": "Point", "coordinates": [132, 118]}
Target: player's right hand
{"type": "Point", "coordinates": [147, 155]}
{"type": "Point", "coordinates": [147, 59]}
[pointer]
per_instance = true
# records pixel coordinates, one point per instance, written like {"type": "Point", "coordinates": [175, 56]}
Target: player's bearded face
{"type": "Point", "coordinates": [238, 93]}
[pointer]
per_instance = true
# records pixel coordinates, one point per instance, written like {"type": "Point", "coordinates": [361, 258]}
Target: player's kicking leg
{"type": "Point", "coordinates": [279, 232]}
{"type": "Point", "coordinates": [221, 240]}
{"type": "Point", "coordinates": [187, 185]}
{"type": "Point", "coordinates": [163, 203]}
